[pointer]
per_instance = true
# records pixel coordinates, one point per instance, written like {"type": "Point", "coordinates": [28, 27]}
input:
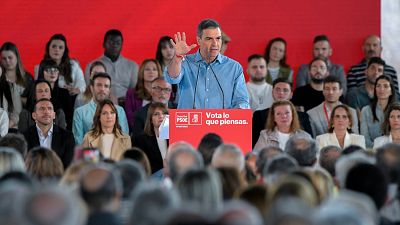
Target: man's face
{"type": "Point", "coordinates": [113, 45]}
{"type": "Point", "coordinates": [372, 47]}
{"type": "Point", "coordinates": [42, 91]}
{"type": "Point", "coordinates": [44, 113]}
{"type": "Point", "coordinates": [318, 71]}
{"type": "Point", "coordinates": [210, 43]}
{"type": "Point", "coordinates": [332, 92]}
{"type": "Point", "coordinates": [322, 49]}
{"type": "Point", "coordinates": [282, 91]}
{"type": "Point", "coordinates": [161, 91]}
{"type": "Point", "coordinates": [257, 69]}
{"type": "Point", "coordinates": [100, 89]}
{"type": "Point", "coordinates": [373, 72]}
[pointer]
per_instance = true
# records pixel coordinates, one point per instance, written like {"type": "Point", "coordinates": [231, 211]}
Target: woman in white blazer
{"type": "Point", "coordinates": [340, 133]}
{"type": "Point", "coordinates": [390, 127]}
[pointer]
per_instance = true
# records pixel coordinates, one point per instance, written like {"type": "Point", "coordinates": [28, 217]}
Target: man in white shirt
{"type": "Point", "coordinates": [260, 92]}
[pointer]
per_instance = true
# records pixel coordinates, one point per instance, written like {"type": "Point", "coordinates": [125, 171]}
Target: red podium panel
{"type": "Point", "coordinates": [190, 125]}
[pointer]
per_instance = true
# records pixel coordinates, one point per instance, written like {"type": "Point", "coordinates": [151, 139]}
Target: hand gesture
{"type": "Point", "coordinates": [180, 45]}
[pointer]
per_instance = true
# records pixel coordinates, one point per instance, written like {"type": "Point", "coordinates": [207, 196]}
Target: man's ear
{"type": "Point", "coordinates": [34, 115]}
{"type": "Point", "coordinates": [198, 40]}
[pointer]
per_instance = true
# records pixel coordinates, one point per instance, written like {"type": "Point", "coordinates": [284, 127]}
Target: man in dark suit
{"type": "Point", "coordinates": [281, 90]}
{"type": "Point", "coordinates": [44, 133]}
{"type": "Point", "coordinates": [161, 92]}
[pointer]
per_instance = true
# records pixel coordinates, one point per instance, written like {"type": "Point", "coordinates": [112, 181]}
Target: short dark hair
{"type": "Point", "coordinates": [281, 80]}
{"type": "Point", "coordinates": [321, 37]}
{"type": "Point", "coordinates": [16, 141]}
{"type": "Point", "coordinates": [316, 59]}
{"type": "Point", "coordinates": [44, 64]}
{"type": "Point", "coordinates": [254, 56]}
{"type": "Point", "coordinates": [368, 179]}
{"type": "Point", "coordinates": [42, 100]}
{"type": "Point", "coordinates": [376, 60]}
{"type": "Point", "coordinates": [205, 24]}
{"type": "Point", "coordinates": [132, 174]}
{"type": "Point", "coordinates": [113, 32]}
{"type": "Point", "coordinates": [303, 149]}
{"type": "Point", "coordinates": [326, 160]}
{"type": "Point", "coordinates": [97, 75]}
{"type": "Point", "coordinates": [333, 79]}
{"type": "Point", "coordinates": [207, 146]}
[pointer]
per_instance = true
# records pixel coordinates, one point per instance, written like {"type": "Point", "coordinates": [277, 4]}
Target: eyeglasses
{"type": "Point", "coordinates": [164, 90]}
{"type": "Point", "coordinates": [51, 70]}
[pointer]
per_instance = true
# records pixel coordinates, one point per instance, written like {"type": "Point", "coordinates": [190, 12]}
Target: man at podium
{"type": "Point", "coordinates": [207, 79]}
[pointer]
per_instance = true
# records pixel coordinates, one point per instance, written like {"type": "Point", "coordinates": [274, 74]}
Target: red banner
{"type": "Point", "coordinates": [233, 125]}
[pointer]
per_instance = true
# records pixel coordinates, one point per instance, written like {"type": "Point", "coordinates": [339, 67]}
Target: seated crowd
{"type": "Point", "coordinates": [85, 148]}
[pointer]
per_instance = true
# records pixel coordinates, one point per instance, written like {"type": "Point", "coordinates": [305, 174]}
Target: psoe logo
{"type": "Point", "coordinates": [182, 118]}
{"type": "Point", "coordinates": [195, 118]}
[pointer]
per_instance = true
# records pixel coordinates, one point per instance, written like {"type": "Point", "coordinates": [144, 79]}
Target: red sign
{"type": "Point", "coordinates": [233, 125]}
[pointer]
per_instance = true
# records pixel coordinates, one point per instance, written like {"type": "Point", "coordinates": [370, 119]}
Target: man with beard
{"type": "Point", "coordinates": [46, 134]}
{"type": "Point", "coordinates": [321, 114]}
{"type": "Point", "coordinates": [160, 92]}
{"type": "Point", "coordinates": [310, 95]}
{"type": "Point", "coordinates": [83, 117]}
{"type": "Point", "coordinates": [122, 70]}
{"type": "Point", "coordinates": [361, 96]}
{"type": "Point", "coordinates": [260, 92]}
{"type": "Point", "coordinates": [322, 48]}
{"type": "Point", "coordinates": [372, 48]}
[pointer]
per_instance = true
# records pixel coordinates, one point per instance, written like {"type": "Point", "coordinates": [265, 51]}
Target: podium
{"type": "Point", "coordinates": [190, 125]}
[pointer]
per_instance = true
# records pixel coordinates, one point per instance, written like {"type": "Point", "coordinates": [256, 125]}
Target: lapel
{"type": "Point", "coordinates": [55, 139]}
{"type": "Point", "coordinates": [35, 135]}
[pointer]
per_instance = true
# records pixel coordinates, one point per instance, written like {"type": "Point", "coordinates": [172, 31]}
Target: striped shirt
{"type": "Point", "coordinates": [356, 75]}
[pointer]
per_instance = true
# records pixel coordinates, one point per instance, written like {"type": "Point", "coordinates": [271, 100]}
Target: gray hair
{"type": "Point", "coordinates": [201, 189]}
{"type": "Point", "coordinates": [16, 141]}
{"type": "Point", "coordinates": [302, 148]}
{"type": "Point", "coordinates": [52, 205]}
{"type": "Point", "coordinates": [326, 160]}
{"type": "Point", "coordinates": [153, 204]}
{"type": "Point", "coordinates": [228, 155]}
{"type": "Point", "coordinates": [278, 166]}
{"type": "Point", "coordinates": [205, 24]}
{"type": "Point", "coordinates": [10, 160]}
{"type": "Point", "coordinates": [238, 212]}
{"type": "Point", "coordinates": [175, 169]}
{"type": "Point", "coordinates": [289, 209]}
{"type": "Point", "coordinates": [132, 174]}
{"type": "Point", "coordinates": [346, 162]}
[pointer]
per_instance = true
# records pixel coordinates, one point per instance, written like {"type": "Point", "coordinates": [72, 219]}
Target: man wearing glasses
{"type": "Point", "coordinates": [161, 92]}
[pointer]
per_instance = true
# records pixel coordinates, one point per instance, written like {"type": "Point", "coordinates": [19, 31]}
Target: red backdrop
{"type": "Point", "coordinates": [250, 24]}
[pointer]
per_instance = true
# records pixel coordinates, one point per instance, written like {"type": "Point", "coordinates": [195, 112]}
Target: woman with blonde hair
{"type": "Point", "coordinates": [340, 130]}
{"type": "Point", "coordinates": [282, 123]}
{"type": "Point", "coordinates": [106, 134]}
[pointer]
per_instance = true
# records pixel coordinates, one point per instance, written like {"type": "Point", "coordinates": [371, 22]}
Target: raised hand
{"type": "Point", "coordinates": [180, 45]}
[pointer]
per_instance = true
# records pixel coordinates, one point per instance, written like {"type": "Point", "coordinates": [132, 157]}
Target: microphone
{"type": "Point", "coordinates": [195, 87]}
{"type": "Point", "coordinates": [216, 78]}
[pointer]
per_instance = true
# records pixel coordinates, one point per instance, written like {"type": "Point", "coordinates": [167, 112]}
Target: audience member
{"type": "Point", "coordinates": [311, 95]}
{"type": "Point", "coordinates": [44, 164]}
{"type": "Point", "coordinates": [138, 155]}
{"type": "Point", "coordinates": [225, 41]}
{"type": "Point", "coordinates": [106, 133]}
{"type": "Point", "coordinates": [303, 149]}
{"type": "Point", "coordinates": [83, 116]}
{"type": "Point", "coordinates": [16, 141]}
{"type": "Point", "coordinates": [228, 155]}
{"type": "Point", "coordinates": [282, 90]}
{"type": "Point", "coordinates": [340, 130]}
{"type": "Point", "coordinates": [263, 156]}
{"type": "Point", "coordinates": [277, 167]}
{"type": "Point", "coordinates": [260, 92]}
{"type": "Point", "coordinates": [322, 49]}
{"type": "Point", "coordinates": [275, 56]}
{"type": "Point", "coordinates": [207, 146]}
{"type": "Point", "coordinates": [46, 134]}
{"type": "Point", "coordinates": [101, 190]}
{"type": "Point", "coordinates": [42, 89]}
{"type": "Point", "coordinates": [319, 115]}
{"type": "Point", "coordinates": [201, 189]}
{"type": "Point", "coordinates": [149, 141]}
{"type": "Point", "coordinates": [122, 70]}
{"type": "Point", "coordinates": [86, 96]}
{"type": "Point", "coordinates": [328, 156]}
{"type": "Point", "coordinates": [231, 182]}
{"type": "Point", "coordinates": [289, 210]}
{"type": "Point", "coordinates": [182, 159]}
{"type": "Point", "coordinates": [257, 195]}
{"type": "Point", "coordinates": [372, 47]}
{"type": "Point", "coordinates": [373, 115]}
{"type": "Point", "coordinates": [10, 160]}
{"type": "Point", "coordinates": [390, 127]}
{"type": "Point", "coordinates": [282, 123]}
{"type": "Point", "coordinates": [239, 212]}
{"type": "Point", "coordinates": [160, 93]}
{"type": "Point", "coordinates": [140, 96]}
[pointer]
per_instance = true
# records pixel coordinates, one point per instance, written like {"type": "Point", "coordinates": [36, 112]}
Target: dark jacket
{"type": "Point", "coordinates": [63, 142]}
{"type": "Point", "coordinates": [150, 146]}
